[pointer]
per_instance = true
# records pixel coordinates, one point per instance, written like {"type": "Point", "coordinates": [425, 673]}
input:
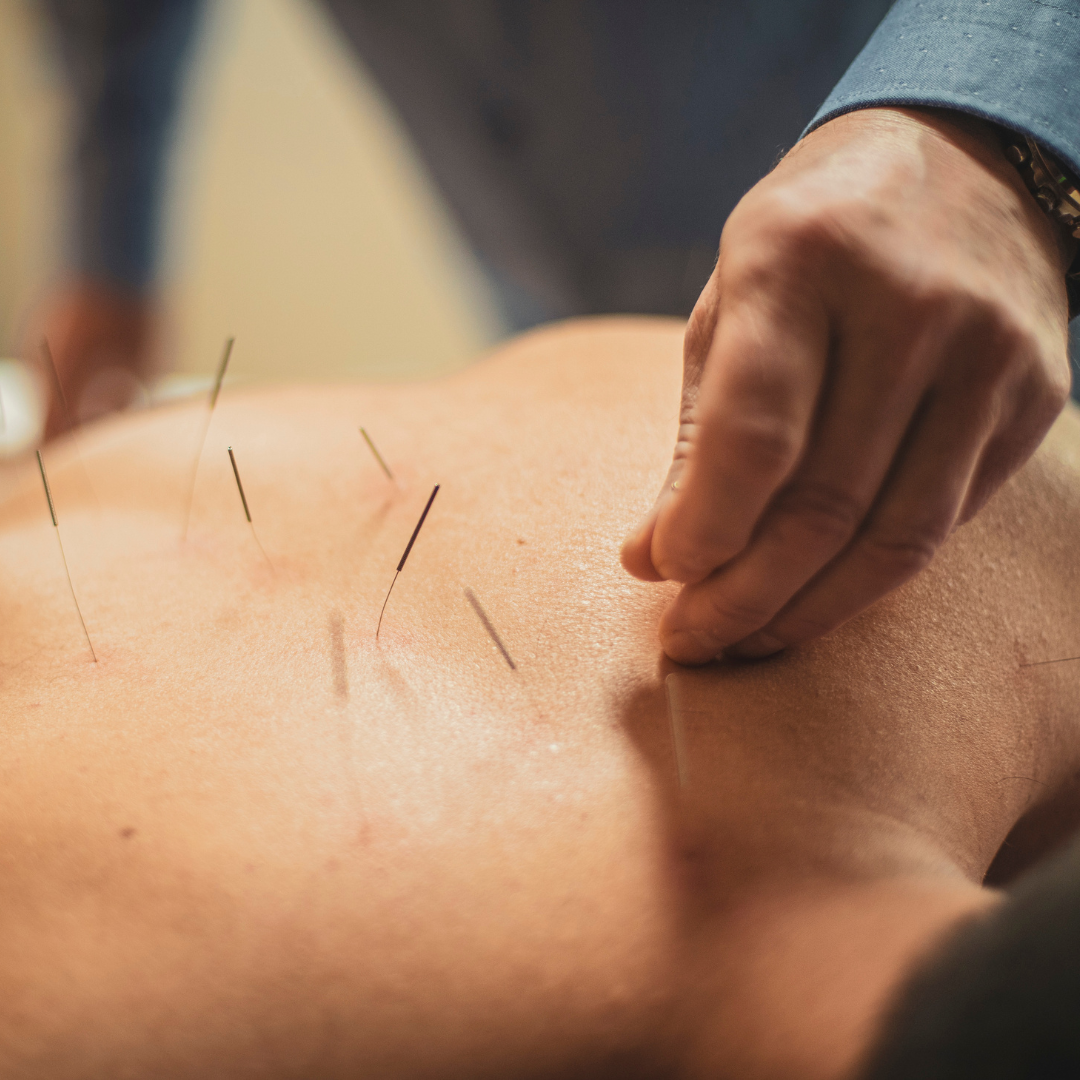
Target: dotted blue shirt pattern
{"type": "Point", "coordinates": [1016, 62]}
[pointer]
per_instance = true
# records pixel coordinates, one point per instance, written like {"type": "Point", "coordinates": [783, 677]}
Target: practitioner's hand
{"type": "Point", "coordinates": [100, 339]}
{"type": "Point", "coordinates": [882, 343]}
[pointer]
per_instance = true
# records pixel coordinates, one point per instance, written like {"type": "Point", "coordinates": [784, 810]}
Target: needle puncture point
{"type": "Point", "coordinates": [482, 615]}
{"type": "Point", "coordinates": [63, 557]}
{"type": "Point", "coordinates": [1059, 660]}
{"type": "Point", "coordinates": [408, 548]}
{"type": "Point", "coordinates": [378, 456]}
{"type": "Point", "coordinates": [218, 380]}
{"type": "Point", "coordinates": [247, 512]}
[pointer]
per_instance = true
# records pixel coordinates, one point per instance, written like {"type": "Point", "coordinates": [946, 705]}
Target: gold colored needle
{"type": "Point", "coordinates": [247, 512]}
{"type": "Point", "coordinates": [378, 456]}
{"type": "Point", "coordinates": [63, 557]}
{"type": "Point", "coordinates": [206, 427]}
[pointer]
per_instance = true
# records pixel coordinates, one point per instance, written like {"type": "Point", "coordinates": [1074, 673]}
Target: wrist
{"type": "Point", "coordinates": [1057, 192]}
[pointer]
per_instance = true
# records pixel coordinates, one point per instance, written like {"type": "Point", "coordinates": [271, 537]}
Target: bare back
{"type": "Point", "coordinates": [253, 840]}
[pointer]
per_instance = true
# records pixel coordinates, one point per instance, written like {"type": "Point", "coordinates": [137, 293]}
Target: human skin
{"type": "Point", "coordinates": [882, 342]}
{"type": "Point", "coordinates": [254, 841]}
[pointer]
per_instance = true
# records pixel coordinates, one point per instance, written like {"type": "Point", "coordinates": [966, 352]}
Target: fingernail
{"type": "Point", "coordinates": [755, 647]}
{"type": "Point", "coordinates": [691, 646]}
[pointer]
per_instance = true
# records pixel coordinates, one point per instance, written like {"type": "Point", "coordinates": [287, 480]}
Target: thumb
{"type": "Point", "coordinates": [636, 555]}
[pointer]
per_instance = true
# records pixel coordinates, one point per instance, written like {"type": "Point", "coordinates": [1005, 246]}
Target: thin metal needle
{"type": "Point", "coordinates": [206, 427]}
{"type": "Point", "coordinates": [247, 512]}
{"type": "Point", "coordinates": [1060, 660]}
{"type": "Point", "coordinates": [63, 557]}
{"type": "Point", "coordinates": [54, 372]}
{"type": "Point", "coordinates": [482, 615]}
{"type": "Point", "coordinates": [408, 548]}
{"type": "Point", "coordinates": [239, 486]}
{"type": "Point", "coordinates": [378, 456]}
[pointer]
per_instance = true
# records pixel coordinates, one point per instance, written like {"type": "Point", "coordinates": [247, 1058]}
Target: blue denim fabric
{"type": "Point", "coordinates": [631, 153]}
{"type": "Point", "coordinates": [1013, 61]}
{"type": "Point", "coordinates": [124, 60]}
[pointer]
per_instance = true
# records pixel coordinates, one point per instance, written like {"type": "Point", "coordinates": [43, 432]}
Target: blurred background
{"type": "Point", "coordinates": [591, 148]}
{"type": "Point", "coordinates": [341, 260]}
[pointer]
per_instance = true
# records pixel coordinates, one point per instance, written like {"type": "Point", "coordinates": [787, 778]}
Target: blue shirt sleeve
{"type": "Point", "coordinates": [124, 60]}
{"type": "Point", "coordinates": [1016, 62]}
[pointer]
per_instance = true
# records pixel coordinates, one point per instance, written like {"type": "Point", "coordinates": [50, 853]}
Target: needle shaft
{"type": "Point", "coordinates": [247, 512]}
{"type": "Point", "coordinates": [1059, 660]}
{"type": "Point", "coordinates": [63, 557]}
{"type": "Point", "coordinates": [408, 548]}
{"type": "Point", "coordinates": [378, 456]}
{"type": "Point", "coordinates": [218, 380]}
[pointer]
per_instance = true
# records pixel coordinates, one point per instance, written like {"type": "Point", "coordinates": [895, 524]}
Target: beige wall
{"type": "Point", "coordinates": [298, 219]}
{"type": "Point", "coordinates": [31, 122]}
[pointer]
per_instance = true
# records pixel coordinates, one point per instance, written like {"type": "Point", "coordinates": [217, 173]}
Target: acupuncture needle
{"type": "Point", "coordinates": [63, 557]}
{"type": "Point", "coordinates": [247, 512]}
{"type": "Point", "coordinates": [54, 374]}
{"type": "Point", "coordinates": [220, 378]}
{"type": "Point", "coordinates": [408, 548]}
{"type": "Point", "coordinates": [378, 457]}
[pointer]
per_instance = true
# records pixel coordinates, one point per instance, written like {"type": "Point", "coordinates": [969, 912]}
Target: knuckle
{"type": "Point", "coordinates": [899, 554]}
{"type": "Point", "coordinates": [766, 443]}
{"type": "Point", "coordinates": [1058, 388]}
{"type": "Point", "coordinates": [1007, 344]}
{"type": "Point", "coordinates": [801, 626]}
{"type": "Point", "coordinates": [689, 554]}
{"type": "Point", "coordinates": [723, 609]}
{"type": "Point", "coordinates": [784, 239]}
{"type": "Point", "coordinates": [992, 331]}
{"type": "Point", "coordinates": [826, 513]}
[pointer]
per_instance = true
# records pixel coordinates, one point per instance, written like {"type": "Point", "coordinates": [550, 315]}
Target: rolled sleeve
{"type": "Point", "coordinates": [1016, 62]}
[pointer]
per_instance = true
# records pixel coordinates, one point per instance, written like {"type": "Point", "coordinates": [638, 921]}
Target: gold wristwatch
{"type": "Point", "coordinates": [1056, 190]}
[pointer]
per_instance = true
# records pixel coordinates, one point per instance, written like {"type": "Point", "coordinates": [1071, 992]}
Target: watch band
{"type": "Point", "coordinates": [1056, 190]}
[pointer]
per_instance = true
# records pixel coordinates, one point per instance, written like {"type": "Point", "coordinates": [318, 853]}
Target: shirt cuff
{"type": "Point", "coordinates": [1015, 62]}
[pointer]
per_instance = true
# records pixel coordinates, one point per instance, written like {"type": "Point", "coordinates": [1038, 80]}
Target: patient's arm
{"type": "Point", "coordinates": [254, 841]}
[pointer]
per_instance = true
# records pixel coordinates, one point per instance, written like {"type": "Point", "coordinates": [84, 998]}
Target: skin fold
{"type": "Point", "coordinates": [251, 841]}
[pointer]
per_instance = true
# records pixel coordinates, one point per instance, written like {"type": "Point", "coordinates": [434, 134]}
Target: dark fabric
{"type": "Point", "coordinates": [591, 149]}
{"type": "Point", "coordinates": [123, 59]}
{"type": "Point", "coordinates": [1001, 1001]}
{"type": "Point", "coordinates": [1013, 61]}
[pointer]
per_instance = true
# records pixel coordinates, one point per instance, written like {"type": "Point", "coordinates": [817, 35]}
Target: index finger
{"type": "Point", "coordinates": [752, 421]}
